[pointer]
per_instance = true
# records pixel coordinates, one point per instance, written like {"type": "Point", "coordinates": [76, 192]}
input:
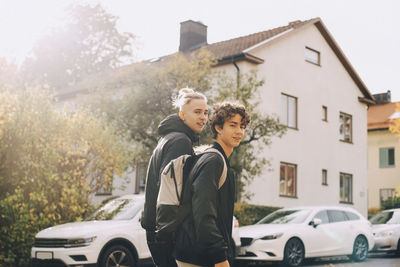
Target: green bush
{"type": "Point", "coordinates": [50, 162]}
{"type": "Point", "coordinates": [391, 203]}
{"type": "Point", "coordinates": [248, 214]}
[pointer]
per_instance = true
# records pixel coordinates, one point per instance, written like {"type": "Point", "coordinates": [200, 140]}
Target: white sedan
{"type": "Point", "coordinates": [386, 230]}
{"type": "Point", "coordinates": [292, 234]}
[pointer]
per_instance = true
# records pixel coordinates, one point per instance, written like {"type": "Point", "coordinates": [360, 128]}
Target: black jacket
{"type": "Point", "coordinates": [176, 139]}
{"type": "Point", "coordinates": [205, 237]}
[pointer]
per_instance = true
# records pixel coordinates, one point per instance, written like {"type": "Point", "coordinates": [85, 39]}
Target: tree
{"type": "Point", "coordinates": [9, 75]}
{"type": "Point", "coordinates": [149, 100]}
{"type": "Point", "coordinates": [89, 43]}
{"type": "Point", "coordinates": [49, 164]}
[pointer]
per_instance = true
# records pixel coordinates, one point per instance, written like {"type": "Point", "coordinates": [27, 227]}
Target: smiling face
{"type": "Point", "coordinates": [231, 134]}
{"type": "Point", "coordinates": [195, 114]}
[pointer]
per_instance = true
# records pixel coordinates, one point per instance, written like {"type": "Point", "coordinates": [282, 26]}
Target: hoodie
{"type": "Point", "coordinates": [176, 139]}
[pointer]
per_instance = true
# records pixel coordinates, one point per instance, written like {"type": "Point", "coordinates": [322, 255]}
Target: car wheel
{"type": "Point", "coordinates": [293, 253]}
{"type": "Point", "coordinates": [398, 248]}
{"type": "Point", "coordinates": [360, 249]}
{"type": "Point", "coordinates": [117, 256]}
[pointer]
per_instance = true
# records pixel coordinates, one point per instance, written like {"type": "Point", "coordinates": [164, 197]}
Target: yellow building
{"type": "Point", "coordinates": [383, 154]}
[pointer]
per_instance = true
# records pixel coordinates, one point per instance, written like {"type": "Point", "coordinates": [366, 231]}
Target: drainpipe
{"type": "Point", "coordinates": [237, 77]}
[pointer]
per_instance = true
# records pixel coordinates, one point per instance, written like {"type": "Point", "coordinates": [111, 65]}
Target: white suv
{"type": "Point", "coordinates": [112, 236]}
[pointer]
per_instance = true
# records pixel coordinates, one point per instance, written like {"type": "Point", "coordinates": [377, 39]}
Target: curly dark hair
{"type": "Point", "coordinates": [223, 111]}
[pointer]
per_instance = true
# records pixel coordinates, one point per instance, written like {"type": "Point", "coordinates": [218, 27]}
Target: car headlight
{"type": "Point", "coordinates": [79, 242]}
{"type": "Point", "coordinates": [271, 237]}
{"type": "Point", "coordinates": [384, 234]}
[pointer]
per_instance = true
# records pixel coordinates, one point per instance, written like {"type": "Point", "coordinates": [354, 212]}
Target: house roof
{"type": "Point", "coordinates": [379, 116]}
{"type": "Point", "coordinates": [238, 46]}
{"type": "Point", "coordinates": [239, 49]}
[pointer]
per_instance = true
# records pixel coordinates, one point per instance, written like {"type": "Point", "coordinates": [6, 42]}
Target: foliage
{"type": "Point", "coordinates": [250, 214]}
{"type": "Point", "coordinates": [50, 162]}
{"type": "Point", "coordinates": [148, 98]}
{"type": "Point", "coordinates": [89, 43]}
{"type": "Point", "coordinates": [9, 76]}
{"type": "Point", "coordinates": [373, 211]}
{"type": "Point", "coordinates": [391, 203]}
{"type": "Point", "coordinates": [395, 123]}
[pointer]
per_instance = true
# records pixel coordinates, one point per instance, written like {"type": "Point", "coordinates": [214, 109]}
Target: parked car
{"type": "Point", "coordinates": [111, 236]}
{"type": "Point", "coordinates": [386, 230]}
{"type": "Point", "coordinates": [292, 234]}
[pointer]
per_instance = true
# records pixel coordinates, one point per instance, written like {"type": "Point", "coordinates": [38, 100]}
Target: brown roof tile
{"type": "Point", "coordinates": [378, 115]}
{"type": "Point", "coordinates": [236, 46]}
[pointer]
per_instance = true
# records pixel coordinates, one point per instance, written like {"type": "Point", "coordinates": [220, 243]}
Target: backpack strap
{"type": "Point", "coordinates": [222, 179]}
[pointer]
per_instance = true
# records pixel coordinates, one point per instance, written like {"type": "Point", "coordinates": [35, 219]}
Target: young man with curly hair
{"type": "Point", "coordinates": [205, 238]}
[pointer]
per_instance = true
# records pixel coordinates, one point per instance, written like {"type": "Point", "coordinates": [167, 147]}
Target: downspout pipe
{"type": "Point", "coordinates": [237, 76]}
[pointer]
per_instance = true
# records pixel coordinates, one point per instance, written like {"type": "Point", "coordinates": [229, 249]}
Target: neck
{"type": "Point", "coordinates": [227, 149]}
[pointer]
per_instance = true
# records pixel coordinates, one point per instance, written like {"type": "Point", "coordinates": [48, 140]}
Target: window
{"type": "Point", "coordinates": [324, 113]}
{"type": "Point", "coordinates": [352, 216]}
{"type": "Point", "coordinates": [386, 193]}
{"type": "Point", "coordinates": [103, 186]}
{"type": "Point", "coordinates": [323, 216]}
{"type": "Point", "coordinates": [312, 56]}
{"type": "Point", "coordinates": [288, 180]}
{"type": "Point", "coordinates": [141, 171]}
{"type": "Point", "coordinates": [346, 188]}
{"type": "Point", "coordinates": [386, 157]}
{"type": "Point", "coordinates": [337, 216]}
{"type": "Point", "coordinates": [345, 127]}
{"type": "Point", "coordinates": [324, 177]}
{"type": "Point", "coordinates": [289, 111]}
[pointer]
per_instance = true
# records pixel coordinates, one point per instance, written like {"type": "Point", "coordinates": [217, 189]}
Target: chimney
{"type": "Point", "coordinates": [383, 98]}
{"type": "Point", "coordinates": [193, 35]}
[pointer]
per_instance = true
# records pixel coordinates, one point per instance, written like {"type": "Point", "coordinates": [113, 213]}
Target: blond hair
{"type": "Point", "coordinates": [185, 95]}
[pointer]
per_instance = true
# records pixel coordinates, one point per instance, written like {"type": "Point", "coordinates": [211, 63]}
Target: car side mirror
{"type": "Point", "coordinates": [315, 222]}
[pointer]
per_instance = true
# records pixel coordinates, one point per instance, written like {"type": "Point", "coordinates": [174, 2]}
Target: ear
{"type": "Point", "coordinates": [218, 128]}
{"type": "Point", "coordinates": [181, 115]}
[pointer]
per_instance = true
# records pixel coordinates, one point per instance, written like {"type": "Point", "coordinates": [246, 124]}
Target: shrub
{"type": "Point", "coordinates": [248, 214]}
{"type": "Point", "coordinates": [391, 203]}
{"type": "Point", "coordinates": [50, 162]}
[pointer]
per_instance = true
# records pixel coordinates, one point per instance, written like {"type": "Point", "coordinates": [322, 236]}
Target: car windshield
{"type": "Point", "coordinates": [386, 217]}
{"type": "Point", "coordinates": [286, 217]}
{"type": "Point", "coordinates": [116, 209]}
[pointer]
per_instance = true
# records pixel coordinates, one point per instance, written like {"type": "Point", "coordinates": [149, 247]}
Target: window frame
{"type": "Point", "coordinates": [308, 59]}
{"type": "Point", "coordinates": [285, 194]}
{"type": "Point", "coordinates": [325, 113]}
{"type": "Point", "coordinates": [387, 156]}
{"type": "Point", "coordinates": [345, 176]}
{"type": "Point", "coordinates": [393, 191]}
{"type": "Point", "coordinates": [324, 177]}
{"type": "Point", "coordinates": [296, 127]}
{"type": "Point", "coordinates": [344, 127]}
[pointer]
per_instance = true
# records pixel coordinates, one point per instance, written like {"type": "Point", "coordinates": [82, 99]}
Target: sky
{"type": "Point", "coordinates": [367, 31]}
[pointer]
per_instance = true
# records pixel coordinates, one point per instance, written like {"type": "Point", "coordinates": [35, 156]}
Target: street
{"type": "Point", "coordinates": [381, 260]}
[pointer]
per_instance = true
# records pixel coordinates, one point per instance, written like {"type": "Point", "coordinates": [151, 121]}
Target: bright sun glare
{"type": "Point", "coordinates": [22, 22]}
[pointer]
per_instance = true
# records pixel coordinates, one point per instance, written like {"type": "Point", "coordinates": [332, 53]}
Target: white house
{"type": "Point", "coordinates": [314, 89]}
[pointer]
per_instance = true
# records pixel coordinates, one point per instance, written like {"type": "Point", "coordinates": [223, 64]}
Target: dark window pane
{"type": "Point", "coordinates": [391, 156]}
